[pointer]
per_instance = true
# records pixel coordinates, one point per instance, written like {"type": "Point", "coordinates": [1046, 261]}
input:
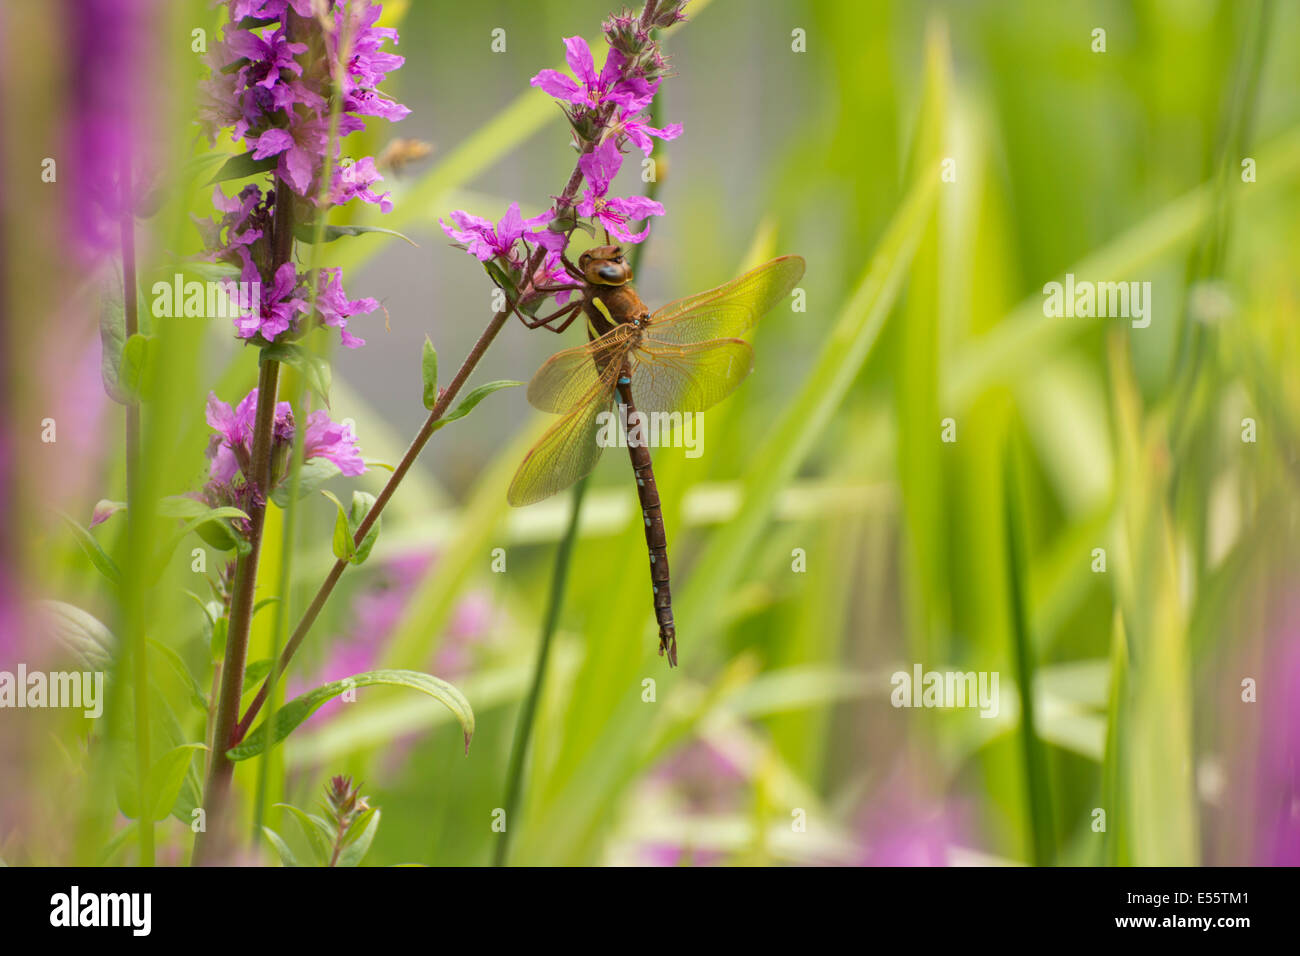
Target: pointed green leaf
{"type": "Point", "coordinates": [138, 373]}
{"type": "Point", "coordinates": [98, 556]}
{"type": "Point", "coordinates": [243, 166]}
{"type": "Point", "coordinates": [288, 717]}
{"type": "Point", "coordinates": [112, 339]}
{"type": "Point", "coordinates": [362, 502]}
{"type": "Point", "coordinates": [473, 398]}
{"type": "Point", "coordinates": [320, 835]}
{"type": "Point", "coordinates": [282, 848]}
{"type": "Point", "coordinates": [306, 232]}
{"type": "Point", "coordinates": [429, 372]}
{"type": "Point", "coordinates": [80, 632]}
{"type": "Point", "coordinates": [344, 549]}
{"type": "Point", "coordinates": [359, 837]}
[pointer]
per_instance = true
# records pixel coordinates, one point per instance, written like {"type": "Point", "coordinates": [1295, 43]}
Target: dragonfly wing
{"type": "Point", "coordinates": [567, 451]}
{"type": "Point", "coordinates": [570, 375]}
{"type": "Point", "coordinates": [688, 378]}
{"type": "Point", "coordinates": [729, 310]}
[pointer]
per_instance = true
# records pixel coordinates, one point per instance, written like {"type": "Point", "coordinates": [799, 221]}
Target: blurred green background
{"type": "Point", "coordinates": [775, 742]}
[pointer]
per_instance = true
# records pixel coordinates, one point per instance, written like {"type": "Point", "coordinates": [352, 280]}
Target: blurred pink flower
{"type": "Point", "coordinates": [905, 826]}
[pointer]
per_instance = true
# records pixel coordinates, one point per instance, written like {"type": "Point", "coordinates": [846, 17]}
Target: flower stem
{"type": "Point", "coordinates": [134, 599]}
{"type": "Point", "coordinates": [289, 535]}
{"type": "Point", "coordinates": [221, 769]}
{"type": "Point", "coordinates": [408, 459]}
{"type": "Point", "coordinates": [527, 713]}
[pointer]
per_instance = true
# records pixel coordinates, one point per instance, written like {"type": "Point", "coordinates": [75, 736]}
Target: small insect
{"type": "Point", "coordinates": [684, 358]}
{"type": "Point", "coordinates": [400, 153]}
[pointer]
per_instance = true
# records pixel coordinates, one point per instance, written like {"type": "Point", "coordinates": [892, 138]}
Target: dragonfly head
{"type": "Point", "coordinates": [605, 265]}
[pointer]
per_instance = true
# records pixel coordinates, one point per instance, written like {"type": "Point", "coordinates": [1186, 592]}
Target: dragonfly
{"type": "Point", "coordinates": [684, 358]}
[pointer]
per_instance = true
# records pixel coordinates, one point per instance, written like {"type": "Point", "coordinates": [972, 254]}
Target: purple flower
{"type": "Point", "coordinates": [335, 308]}
{"type": "Point", "coordinates": [266, 56]}
{"type": "Point", "coordinates": [905, 826]}
{"type": "Point", "coordinates": [485, 241]}
{"type": "Point", "coordinates": [634, 127]}
{"type": "Point", "coordinates": [231, 449]}
{"type": "Point", "coordinates": [632, 93]}
{"type": "Point", "coordinates": [335, 442]}
{"type": "Point", "coordinates": [241, 225]}
{"type": "Point", "coordinates": [301, 150]}
{"type": "Point", "coordinates": [353, 181]}
{"type": "Point", "coordinates": [279, 307]}
{"type": "Point", "coordinates": [268, 9]}
{"type": "Point", "coordinates": [600, 166]}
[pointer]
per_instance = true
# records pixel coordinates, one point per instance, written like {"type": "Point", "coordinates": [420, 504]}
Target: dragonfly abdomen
{"type": "Point", "coordinates": [656, 538]}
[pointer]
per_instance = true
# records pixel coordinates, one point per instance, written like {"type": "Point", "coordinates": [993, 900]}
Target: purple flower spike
{"type": "Point", "coordinates": [273, 96]}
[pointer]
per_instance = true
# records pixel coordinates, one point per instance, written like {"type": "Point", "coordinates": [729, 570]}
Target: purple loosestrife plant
{"type": "Point", "coordinates": [290, 79]}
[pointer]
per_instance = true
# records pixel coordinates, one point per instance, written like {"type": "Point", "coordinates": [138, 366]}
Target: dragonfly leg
{"type": "Point", "coordinates": [531, 323]}
{"type": "Point", "coordinates": [571, 269]}
{"type": "Point", "coordinates": [556, 288]}
{"type": "Point", "coordinates": [543, 322]}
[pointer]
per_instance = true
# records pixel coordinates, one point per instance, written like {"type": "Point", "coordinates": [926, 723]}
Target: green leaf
{"type": "Point", "coordinates": [212, 525]}
{"type": "Point", "coordinates": [473, 398]}
{"type": "Point", "coordinates": [288, 717]}
{"type": "Point", "coordinates": [221, 534]}
{"type": "Point", "coordinates": [98, 556]}
{"type": "Point", "coordinates": [243, 166]}
{"type": "Point", "coordinates": [81, 633]}
{"type": "Point", "coordinates": [359, 837]}
{"type": "Point", "coordinates": [181, 506]}
{"type": "Point", "coordinates": [313, 474]}
{"type": "Point", "coordinates": [112, 339]}
{"type": "Point", "coordinates": [263, 603]}
{"type": "Point", "coordinates": [166, 777]}
{"type": "Point", "coordinates": [429, 372]}
{"type": "Point", "coordinates": [320, 835]}
{"type": "Point", "coordinates": [220, 629]}
{"type": "Point", "coordinates": [256, 672]}
{"type": "Point", "coordinates": [344, 549]}
{"type": "Point", "coordinates": [314, 368]}
{"type": "Point", "coordinates": [306, 232]}
{"type": "Point", "coordinates": [210, 271]}
{"type": "Point", "coordinates": [282, 848]}
{"type": "Point", "coordinates": [137, 373]}
{"type": "Point", "coordinates": [362, 502]}
{"type": "Point", "coordinates": [197, 697]}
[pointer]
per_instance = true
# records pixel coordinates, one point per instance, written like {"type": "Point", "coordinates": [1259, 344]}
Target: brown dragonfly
{"type": "Point", "coordinates": [684, 358]}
